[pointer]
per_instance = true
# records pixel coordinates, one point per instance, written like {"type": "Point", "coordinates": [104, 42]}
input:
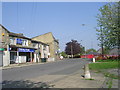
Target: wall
{"type": "Point", "coordinates": [6, 58]}
{"type": "Point", "coordinates": [42, 54]}
{"type": "Point", "coordinates": [4, 41]}
{"type": "Point", "coordinates": [1, 53]}
{"type": "Point", "coordinates": [45, 38]}
{"type": "Point", "coordinates": [5, 38]}
{"type": "Point", "coordinates": [48, 39]}
{"type": "Point", "coordinates": [0, 36]}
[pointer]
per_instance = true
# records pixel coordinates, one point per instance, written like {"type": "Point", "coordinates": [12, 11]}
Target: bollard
{"type": "Point", "coordinates": [87, 72]}
{"type": "Point", "coordinates": [94, 60]}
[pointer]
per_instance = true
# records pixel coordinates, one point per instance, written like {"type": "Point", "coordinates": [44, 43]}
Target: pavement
{"type": "Point", "coordinates": [19, 65]}
{"type": "Point", "coordinates": [24, 64]}
{"type": "Point", "coordinates": [110, 82]}
{"type": "Point", "coordinates": [74, 80]}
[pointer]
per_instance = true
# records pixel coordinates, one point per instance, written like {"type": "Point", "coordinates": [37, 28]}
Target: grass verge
{"type": "Point", "coordinates": [108, 60]}
{"type": "Point", "coordinates": [100, 67]}
{"type": "Point", "coordinates": [103, 65]}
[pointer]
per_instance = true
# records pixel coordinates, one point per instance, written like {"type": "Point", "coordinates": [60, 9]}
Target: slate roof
{"type": "Point", "coordinates": [114, 51]}
{"type": "Point", "coordinates": [94, 53]}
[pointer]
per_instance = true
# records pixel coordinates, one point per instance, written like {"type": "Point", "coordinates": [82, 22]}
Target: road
{"type": "Point", "coordinates": [65, 67]}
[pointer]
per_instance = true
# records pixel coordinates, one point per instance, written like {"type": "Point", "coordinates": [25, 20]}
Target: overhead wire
{"type": "Point", "coordinates": [35, 15]}
{"type": "Point", "coordinates": [17, 16]}
{"type": "Point", "coordinates": [32, 11]}
{"type": "Point", "coordinates": [32, 17]}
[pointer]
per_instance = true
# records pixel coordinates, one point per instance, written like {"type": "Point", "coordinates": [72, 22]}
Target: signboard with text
{"type": "Point", "coordinates": [25, 50]}
{"type": "Point", "coordinates": [19, 41]}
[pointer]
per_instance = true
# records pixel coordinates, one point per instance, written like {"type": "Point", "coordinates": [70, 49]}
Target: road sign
{"type": "Point", "coordinates": [2, 49]}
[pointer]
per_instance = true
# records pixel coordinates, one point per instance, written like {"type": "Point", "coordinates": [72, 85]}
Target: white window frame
{"type": "Point", "coordinates": [12, 41]}
{"type": "Point", "coordinates": [24, 42]}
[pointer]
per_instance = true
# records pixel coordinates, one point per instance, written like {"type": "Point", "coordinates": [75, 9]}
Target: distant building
{"type": "Point", "coordinates": [114, 51]}
{"type": "Point", "coordinates": [49, 39]}
{"type": "Point", "coordinates": [99, 51]}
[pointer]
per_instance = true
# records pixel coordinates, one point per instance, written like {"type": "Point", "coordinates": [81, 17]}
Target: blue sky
{"type": "Point", "coordinates": [63, 19]}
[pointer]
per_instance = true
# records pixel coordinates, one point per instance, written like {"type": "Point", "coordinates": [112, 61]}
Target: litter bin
{"type": "Point", "coordinates": [43, 59]}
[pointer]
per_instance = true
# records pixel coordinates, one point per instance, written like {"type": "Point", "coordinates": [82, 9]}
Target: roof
{"type": "Point", "coordinates": [41, 35]}
{"type": "Point", "coordinates": [14, 46]}
{"type": "Point", "coordinates": [14, 34]}
{"type": "Point", "coordinates": [114, 51]}
{"type": "Point", "coordinates": [18, 35]}
{"type": "Point", "coordinates": [94, 53]}
{"type": "Point", "coordinates": [47, 33]}
{"type": "Point", "coordinates": [38, 42]}
{"type": "Point", "coordinates": [4, 28]}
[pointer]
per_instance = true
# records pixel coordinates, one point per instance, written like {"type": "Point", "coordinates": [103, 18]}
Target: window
{"type": "Point", "coordinates": [35, 45]}
{"type": "Point", "coordinates": [24, 42]}
{"type": "Point", "coordinates": [44, 47]}
{"type": "Point", "coordinates": [18, 41]}
{"type": "Point", "coordinates": [12, 41]}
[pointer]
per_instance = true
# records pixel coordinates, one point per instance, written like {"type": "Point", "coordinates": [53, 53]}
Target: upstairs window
{"type": "Point", "coordinates": [24, 42]}
{"type": "Point", "coordinates": [35, 45]}
{"type": "Point", "coordinates": [12, 41]}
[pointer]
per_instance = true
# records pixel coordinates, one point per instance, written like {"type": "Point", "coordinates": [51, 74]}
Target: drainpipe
{"type": "Point", "coordinates": [31, 56]}
{"type": "Point", "coordinates": [18, 55]}
{"type": "Point", "coordinates": [8, 54]}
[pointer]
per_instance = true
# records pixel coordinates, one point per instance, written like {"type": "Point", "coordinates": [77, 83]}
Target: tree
{"type": "Point", "coordinates": [63, 54]}
{"type": "Point", "coordinates": [90, 50]}
{"type": "Point", "coordinates": [109, 25]}
{"type": "Point", "coordinates": [73, 48]}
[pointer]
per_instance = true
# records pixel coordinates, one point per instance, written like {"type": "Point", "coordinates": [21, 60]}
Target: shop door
{"type": "Point", "coordinates": [1, 58]}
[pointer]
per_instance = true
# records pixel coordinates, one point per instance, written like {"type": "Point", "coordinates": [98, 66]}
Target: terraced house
{"type": "Point", "coordinates": [16, 48]}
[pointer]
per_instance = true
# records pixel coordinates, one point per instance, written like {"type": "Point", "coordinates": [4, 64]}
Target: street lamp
{"type": "Point", "coordinates": [102, 40]}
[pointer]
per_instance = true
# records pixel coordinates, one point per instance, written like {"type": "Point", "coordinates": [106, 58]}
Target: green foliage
{"type": "Point", "coordinates": [113, 76]}
{"type": "Point", "coordinates": [103, 65]}
{"type": "Point", "coordinates": [90, 50]}
{"type": "Point", "coordinates": [63, 54]}
{"type": "Point", "coordinates": [109, 83]}
{"type": "Point", "coordinates": [73, 48]}
{"type": "Point", "coordinates": [108, 60]}
{"type": "Point", "coordinates": [109, 25]}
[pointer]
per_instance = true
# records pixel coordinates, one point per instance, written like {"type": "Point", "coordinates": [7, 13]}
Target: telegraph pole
{"type": "Point", "coordinates": [71, 51]}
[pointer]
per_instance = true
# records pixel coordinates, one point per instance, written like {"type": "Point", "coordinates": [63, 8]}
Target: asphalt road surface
{"type": "Point", "coordinates": [64, 67]}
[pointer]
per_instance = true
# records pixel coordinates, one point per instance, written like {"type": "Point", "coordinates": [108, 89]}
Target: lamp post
{"type": "Point", "coordinates": [102, 52]}
{"type": "Point", "coordinates": [85, 50]}
{"type": "Point", "coordinates": [84, 42]}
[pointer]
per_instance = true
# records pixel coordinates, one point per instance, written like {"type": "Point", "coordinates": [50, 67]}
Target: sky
{"type": "Point", "coordinates": [63, 19]}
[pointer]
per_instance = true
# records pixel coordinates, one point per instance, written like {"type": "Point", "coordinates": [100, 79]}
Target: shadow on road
{"type": "Point", "coordinates": [24, 84]}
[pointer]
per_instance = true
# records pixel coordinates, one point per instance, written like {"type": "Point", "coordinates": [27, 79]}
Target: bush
{"type": "Point", "coordinates": [76, 56]}
{"type": "Point", "coordinates": [105, 57]}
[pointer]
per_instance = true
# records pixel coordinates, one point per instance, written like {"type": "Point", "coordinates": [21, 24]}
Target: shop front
{"type": "Point", "coordinates": [25, 55]}
{"type": "Point", "coordinates": [1, 56]}
{"type": "Point", "coordinates": [21, 55]}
